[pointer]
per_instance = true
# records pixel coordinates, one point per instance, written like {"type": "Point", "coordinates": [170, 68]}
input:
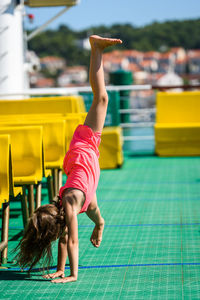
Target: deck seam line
{"type": "Point", "coordinates": [115, 266]}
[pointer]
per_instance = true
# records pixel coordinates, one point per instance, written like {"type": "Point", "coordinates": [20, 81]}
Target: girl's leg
{"type": "Point", "coordinates": [96, 116]}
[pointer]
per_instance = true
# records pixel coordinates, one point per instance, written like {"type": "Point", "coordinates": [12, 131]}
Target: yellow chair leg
{"type": "Point", "coordinates": [55, 181]}
{"type": "Point", "coordinates": [38, 194]}
{"type": "Point", "coordinates": [31, 199]}
{"type": "Point", "coordinates": [4, 234]}
{"type": "Point", "coordinates": [25, 213]}
{"type": "Point", "coordinates": [59, 179]}
{"type": "Point", "coordinates": [50, 188]}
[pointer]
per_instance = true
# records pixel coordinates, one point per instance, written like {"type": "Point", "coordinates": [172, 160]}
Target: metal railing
{"type": "Point", "coordinates": [140, 118]}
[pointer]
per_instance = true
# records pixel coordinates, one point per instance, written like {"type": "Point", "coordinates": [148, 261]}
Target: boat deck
{"type": "Point", "coordinates": [151, 242]}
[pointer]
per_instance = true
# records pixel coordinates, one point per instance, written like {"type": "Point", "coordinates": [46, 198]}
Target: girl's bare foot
{"type": "Point", "coordinates": [101, 43]}
{"type": "Point", "coordinates": [97, 234]}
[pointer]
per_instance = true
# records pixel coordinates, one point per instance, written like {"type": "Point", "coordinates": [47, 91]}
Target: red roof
{"type": "Point", "coordinates": [166, 55]}
{"type": "Point", "coordinates": [112, 58]}
{"type": "Point", "coordinates": [151, 54]}
{"type": "Point", "coordinates": [48, 59]}
{"type": "Point", "coordinates": [75, 69]}
{"type": "Point", "coordinates": [181, 61]}
{"type": "Point", "coordinates": [114, 53]}
{"type": "Point", "coordinates": [133, 67]}
{"type": "Point", "coordinates": [146, 63]}
{"type": "Point", "coordinates": [176, 49]}
{"type": "Point", "coordinates": [132, 53]}
{"type": "Point", "coordinates": [45, 82]}
{"type": "Point", "coordinates": [194, 53]}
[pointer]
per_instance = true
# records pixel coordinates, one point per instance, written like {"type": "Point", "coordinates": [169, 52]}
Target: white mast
{"type": "Point", "coordinates": [12, 73]}
{"type": "Point", "coordinates": [13, 68]}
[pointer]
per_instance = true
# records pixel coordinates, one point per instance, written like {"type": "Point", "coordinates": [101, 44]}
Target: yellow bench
{"type": "Point", "coordinates": [177, 128]}
{"type": "Point", "coordinates": [43, 105]}
{"type": "Point", "coordinates": [111, 154]}
{"type": "Point", "coordinates": [72, 120]}
{"type": "Point", "coordinates": [53, 138]}
{"type": "Point", "coordinates": [58, 130]}
{"type": "Point", "coordinates": [54, 146]}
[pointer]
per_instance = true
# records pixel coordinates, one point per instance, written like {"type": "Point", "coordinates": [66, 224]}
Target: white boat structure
{"type": "Point", "coordinates": [14, 82]}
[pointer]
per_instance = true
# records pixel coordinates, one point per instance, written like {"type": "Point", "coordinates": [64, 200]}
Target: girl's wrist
{"type": "Point", "coordinates": [74, 273]}
{"type": "Point", "coordinates": [60, 269]}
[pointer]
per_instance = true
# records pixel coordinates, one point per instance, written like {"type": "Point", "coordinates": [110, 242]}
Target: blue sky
{"type": "Point", "coordinates": [107, 12]}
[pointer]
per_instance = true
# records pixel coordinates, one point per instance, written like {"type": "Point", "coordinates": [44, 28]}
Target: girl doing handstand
{"type": "Point", "coordinates": [50, 222]}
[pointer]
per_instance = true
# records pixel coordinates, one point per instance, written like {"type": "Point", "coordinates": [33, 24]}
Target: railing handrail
{"type": "Point", "coordinates": [75, 90]}
{"type": "Point", "coordinates": [137, 110]}
{"type": "Point", "coordinates": [137, 124]}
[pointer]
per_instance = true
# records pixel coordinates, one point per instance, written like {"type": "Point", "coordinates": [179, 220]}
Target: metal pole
{"type": "Point", "coordinates": [41, 28]}
{"type": "Point", "coordinates": [5, 229]}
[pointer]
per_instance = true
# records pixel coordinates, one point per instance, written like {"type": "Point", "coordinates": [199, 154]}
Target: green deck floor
{"type": "Point", "coordinates": [151, 244]}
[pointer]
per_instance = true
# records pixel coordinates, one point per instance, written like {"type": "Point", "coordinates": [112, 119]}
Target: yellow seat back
{"type": "Point", "coordinates": [72, 121]}
{"type": "Point", "coordinates": [4, 168]}
{"type": "Point", "coordinates": [54, 140]}
{"type": "Point", "coordinates": [42, 105]}
{"type": "Point", "coordinates": [54, 143]}
{"type": "Point", "coordinates": [110, 149]}
{"type": "Point", "coordinates": [27, 155]}
{"type": "Point", "coordinates": [181, 107]}
{"type": "Point", "coordinates": [81, 105]}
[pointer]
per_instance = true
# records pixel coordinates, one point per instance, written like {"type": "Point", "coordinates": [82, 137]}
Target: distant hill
{"type": "Point", "coordinates": [156, 36]}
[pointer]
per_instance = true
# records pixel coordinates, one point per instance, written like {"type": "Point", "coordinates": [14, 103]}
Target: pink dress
{"type": "Point", "coordinates": [81, 163]}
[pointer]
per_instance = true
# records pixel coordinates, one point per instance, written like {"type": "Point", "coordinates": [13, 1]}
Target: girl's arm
{"type": "Point", "coordinates": [62, 252]}
{"type": "Point", "coordinates": [72, 243]}
{"type": "Point", "coordinates": [62, 257]}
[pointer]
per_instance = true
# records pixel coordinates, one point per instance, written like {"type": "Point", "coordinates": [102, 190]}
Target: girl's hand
{"type": "Point", "coordinates": [65, 279]}
{"type": "Point", "coordinates": [59, 273]}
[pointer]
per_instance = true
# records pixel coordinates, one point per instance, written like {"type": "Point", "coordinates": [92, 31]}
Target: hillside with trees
{"type": "Point", "coordinates": [156, 36]}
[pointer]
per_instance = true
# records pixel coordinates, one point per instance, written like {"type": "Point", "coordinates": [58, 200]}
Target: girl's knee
{"type": "Point", "coordinates": [102, 99]}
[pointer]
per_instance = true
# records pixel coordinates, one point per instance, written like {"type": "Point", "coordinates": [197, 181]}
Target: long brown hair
{"type": "Point", "coordinates": [44, 227]}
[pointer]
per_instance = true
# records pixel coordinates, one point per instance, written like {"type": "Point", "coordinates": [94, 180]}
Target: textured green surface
{"type": "Point", "coordinates": [151, 244]}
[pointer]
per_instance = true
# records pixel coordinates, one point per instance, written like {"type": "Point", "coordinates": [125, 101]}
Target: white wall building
{"type": "Point", "coordinates": [77, 74]}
